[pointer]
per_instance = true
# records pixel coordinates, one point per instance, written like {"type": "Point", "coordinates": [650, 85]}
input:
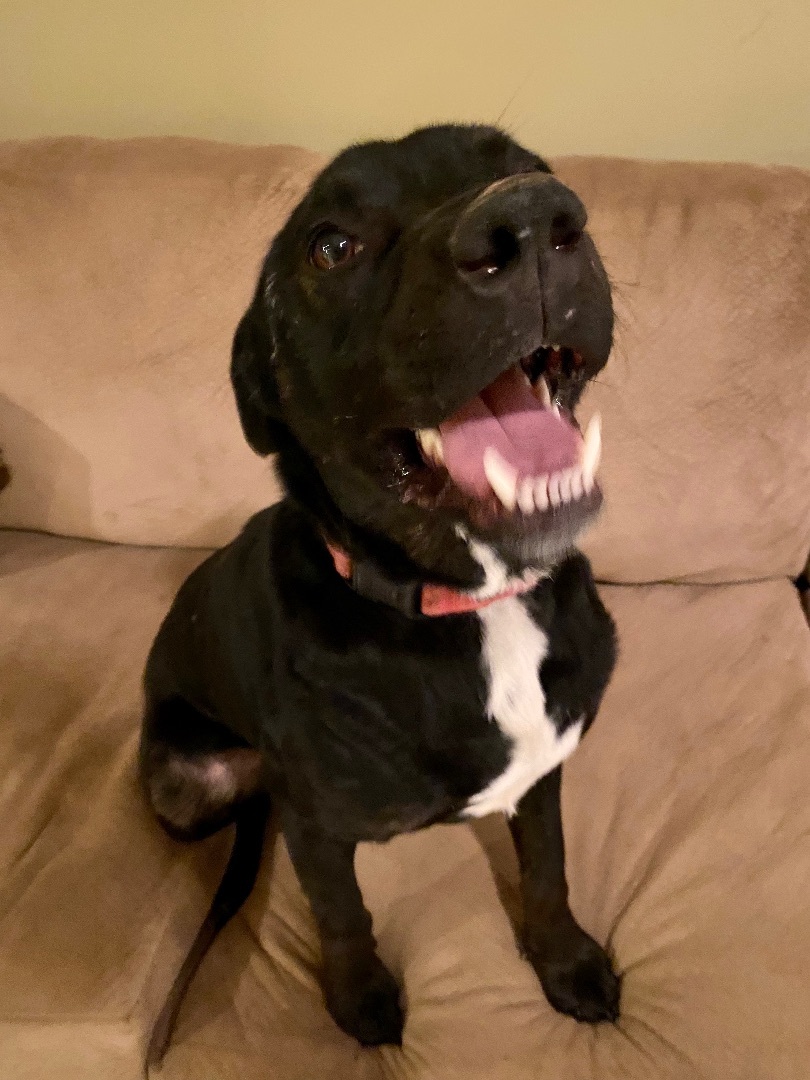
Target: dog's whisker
{"type": "Point", "coordinates": [519, 90]}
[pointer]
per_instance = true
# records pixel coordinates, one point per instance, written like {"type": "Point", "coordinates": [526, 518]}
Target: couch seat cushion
{"type": "Point", "coordinates": [686, 815]}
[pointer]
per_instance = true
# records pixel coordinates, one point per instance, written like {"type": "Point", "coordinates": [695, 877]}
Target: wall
{"type": "Point", "coordinates": [724, 79]}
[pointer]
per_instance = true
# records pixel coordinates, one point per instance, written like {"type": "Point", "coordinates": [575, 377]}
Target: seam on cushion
{"type": "Point", "coordinates": [676, 1051]}
{"type": "Point", "coordinates": [692, 583]}
{"type": "Point", "coordinates": [127, 545]}
{"type": "Point", "coordinates": [121, 1021]}
{"type": "Point", "coordinates": [205, 550]}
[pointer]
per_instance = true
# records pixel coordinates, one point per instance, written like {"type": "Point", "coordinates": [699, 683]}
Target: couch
{"type": "Point", "coordinates": [124, 267]}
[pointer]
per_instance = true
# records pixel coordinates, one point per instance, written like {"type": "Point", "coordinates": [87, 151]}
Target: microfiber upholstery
{"type": "Point", "coordinates": [705, 399]}
{"type": "Point", "coordinates": [124, 267]}
{"type": "Point", "coordinates": [688, 832]}
{"type": "Point", "coordinates": [129, 264]}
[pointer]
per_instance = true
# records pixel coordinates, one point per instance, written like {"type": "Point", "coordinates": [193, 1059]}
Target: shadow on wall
{"type": "Point", "coordinates": [50, 479]}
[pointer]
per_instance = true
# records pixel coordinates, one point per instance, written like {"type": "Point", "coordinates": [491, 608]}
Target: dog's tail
{"type": "Point", "coordinates": [234, 888]}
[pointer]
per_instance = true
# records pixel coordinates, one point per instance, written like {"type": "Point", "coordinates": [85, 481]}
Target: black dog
{"type": "Point", "coordinates": [409, 637]}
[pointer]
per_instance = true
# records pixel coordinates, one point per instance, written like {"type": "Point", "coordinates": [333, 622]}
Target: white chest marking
{"type": "Point", "coordinates": [513, 649]}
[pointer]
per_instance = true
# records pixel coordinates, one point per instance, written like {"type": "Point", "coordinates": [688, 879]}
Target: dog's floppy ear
{"type": "Point", "coordinates": [254, 382]}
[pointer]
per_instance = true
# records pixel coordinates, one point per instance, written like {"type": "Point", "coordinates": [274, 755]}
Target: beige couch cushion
{"type": "Point", "coordinates": [126, 265]}
{"type": "Point", "coordinates": [88, 888]}
{"type": "Point", "coordinates": [706, 399]}
{"type": "Point", "coordinates": [124, 268]}
{"type": "Point", "coordinates": [688, 828]}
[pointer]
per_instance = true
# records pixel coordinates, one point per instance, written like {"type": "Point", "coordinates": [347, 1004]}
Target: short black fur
{"type": "Point", "coordinates": [271, 678]}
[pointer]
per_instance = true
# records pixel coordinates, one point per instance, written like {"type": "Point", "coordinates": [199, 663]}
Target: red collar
{"type": "Point", "coordinates": [417, 598]}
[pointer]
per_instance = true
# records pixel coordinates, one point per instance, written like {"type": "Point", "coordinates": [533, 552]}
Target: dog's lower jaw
{"type": "Point", "coordinates": [519, 543]}
{"type": "Point", "coordinates": [508, 556]}
{"type": "Point", "coordinates": [357, 511]}
{"type": "Point", "coordinates": [436, 546]}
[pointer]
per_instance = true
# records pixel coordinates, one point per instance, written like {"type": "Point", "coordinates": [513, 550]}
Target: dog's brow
{"type": "Point", "coordinates": [342, 191]}
{"type": "Point", "coordinates": [356, 190]}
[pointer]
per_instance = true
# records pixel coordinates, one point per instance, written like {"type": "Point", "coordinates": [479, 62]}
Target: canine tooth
{"type": "Point", "coordinates": [565, 486]}
{"type": "Point", "coordinates": [554, 494]}
{"type": "Point", "coordinates": [502, 477]}
{"type": "Point", "coordinates": [525, 495]}
{"type": "Point", "coordinates": [576, 483]}
{"type": "Point", "coordinates": [431, 442]}
{"type": "Point", "coordinates": [542, 392]}
{"type": "Point", "coordinates": [541, 493]}
{"type": "Point", "coordinates": [591, 448]}
{"type": "Point", "coordinates": [555, 408]}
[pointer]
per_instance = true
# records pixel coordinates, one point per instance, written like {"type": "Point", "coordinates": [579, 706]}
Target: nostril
{"type": "Point", "coordinates": [505, 246]}
{"type": "Point", "coordinates": [565, 233]}
{"type": "Point", "coordinates": [502, 248]}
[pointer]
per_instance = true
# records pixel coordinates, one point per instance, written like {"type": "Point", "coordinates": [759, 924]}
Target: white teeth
{"type": "Point", "coordinates": [431, 442]}
{"type": "Point", "coordinates": [540, 492]}
{"type": "Point", "coordinates": [533, 493]}
{"type": "Point", "coordinates": [542, 392]}
{"type": "Point", "coordinates": [591, 450]}
{"type": "Point", "coordinates": [525, 495]}
{"type": "Point", "coordinates": [563, 487]}
{"type": "Point", "coordinates": [502, 477]}
{"type": "Point", "coordinates": [555, 408]}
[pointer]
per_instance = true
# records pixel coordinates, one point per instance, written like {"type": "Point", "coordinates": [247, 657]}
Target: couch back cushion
{"type": "Point", "coordinates": [124, 269]}
{"type": "Point", "coordinates": [706, 399]}
{"type": "Point", "coordinates": [125, 266]}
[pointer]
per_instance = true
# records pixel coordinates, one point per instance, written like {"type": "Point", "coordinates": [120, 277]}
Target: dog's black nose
{"type": "Point", "coordinates": [512, 220]}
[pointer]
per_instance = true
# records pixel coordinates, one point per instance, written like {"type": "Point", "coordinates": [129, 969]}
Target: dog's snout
{"type": "Point", "coordinates": [513, 220]}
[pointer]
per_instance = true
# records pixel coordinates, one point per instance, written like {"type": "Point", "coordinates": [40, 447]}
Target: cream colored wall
{"type": "Point", "coordinates": [725, 79]}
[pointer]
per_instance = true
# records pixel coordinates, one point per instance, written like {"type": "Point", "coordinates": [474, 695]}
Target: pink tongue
{"type": "Point", "coordinates": [509, 417]}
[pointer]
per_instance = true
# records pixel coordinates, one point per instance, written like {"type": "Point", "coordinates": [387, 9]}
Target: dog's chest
{"type": "Point", "coordinates": [513, 648]}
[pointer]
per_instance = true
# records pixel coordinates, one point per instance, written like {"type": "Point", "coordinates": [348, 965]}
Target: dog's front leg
{"type": "Point", "coordinates": [575, 972]}
{"type": "Point", "coordinates": [360, 992]}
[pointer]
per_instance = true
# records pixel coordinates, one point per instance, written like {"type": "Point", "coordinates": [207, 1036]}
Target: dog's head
{"type": "Point", "coordinates": [422, 330]}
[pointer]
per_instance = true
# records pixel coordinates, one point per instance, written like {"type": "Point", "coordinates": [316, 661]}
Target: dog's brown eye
{"type": "Point", "coordinates": [331, 248]}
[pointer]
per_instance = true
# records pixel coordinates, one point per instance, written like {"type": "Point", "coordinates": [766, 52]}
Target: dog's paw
{"type": "Point", "coordinates": [579, 980]}
{"type": "Point", "coordinates": [367, 1007]}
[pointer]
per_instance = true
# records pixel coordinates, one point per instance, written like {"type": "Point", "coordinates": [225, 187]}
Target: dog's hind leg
{"type": "Point", "coordinates": [196, 772]}
{"type": "Point", "coordinates": [200, 777]}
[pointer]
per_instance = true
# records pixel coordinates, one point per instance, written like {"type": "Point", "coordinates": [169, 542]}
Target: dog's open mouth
{"type": "Point", "coordinates": [513, 450]}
